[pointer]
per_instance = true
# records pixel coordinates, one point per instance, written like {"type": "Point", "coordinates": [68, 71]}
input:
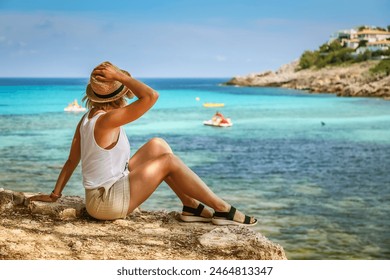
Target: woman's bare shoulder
{"type": "Point", "coordinates": [93, 112]}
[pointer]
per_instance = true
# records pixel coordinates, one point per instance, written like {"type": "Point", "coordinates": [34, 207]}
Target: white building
{"type": "Point", "coordinates": [351, 38]}
{"type": "Point", "coordinates": [373, 35]}
{"type": "Point", "coordinates": [346, 34]}
{"type": "Point", "coordinates": [350, 43]}
{"type": "Point", "coordinates": [374, 46]}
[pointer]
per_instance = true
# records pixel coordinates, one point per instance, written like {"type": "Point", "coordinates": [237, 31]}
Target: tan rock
{"type": "Point", "coordinates": [218, 238]}
{"type": "Point", "coordinates": [68, 214]}
{"type": "Point", "coordinates": [57, 208]}
{"type": "Point", "coordinates": [63, 230]}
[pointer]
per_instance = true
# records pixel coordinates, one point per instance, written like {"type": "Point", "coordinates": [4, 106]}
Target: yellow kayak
{"type": "Point", "coordinates": [213, 104]}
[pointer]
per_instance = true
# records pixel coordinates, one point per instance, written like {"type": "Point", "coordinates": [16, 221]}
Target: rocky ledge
{"type": "Point", "coordinates": [353, 80]}
{"type": "Point", "coordinates": [63, 230]}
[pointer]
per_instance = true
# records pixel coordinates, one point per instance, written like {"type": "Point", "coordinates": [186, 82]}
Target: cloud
{"type": "Point", "coordinates": [44, 24]}
{"type": "Point", "coordinates": [154, 47]}
{"type": "Point", "coordinates": [220, 58]}
{"type": "Point", "coordinates": [271, 22]}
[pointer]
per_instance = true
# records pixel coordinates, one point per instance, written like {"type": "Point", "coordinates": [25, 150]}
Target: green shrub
{"type": "Point", "coordinates": [335, 46]}
{"type": "Point", "coordinates": [382, 67]}
{"type": "Point", "coordinates": [308, 59]}
{"type": "Point", "coordinates": [364, 56]}
{"type": "Point", "coordinates": [332, 54]}
{"type": "Point", "coordinates": [381, 52]}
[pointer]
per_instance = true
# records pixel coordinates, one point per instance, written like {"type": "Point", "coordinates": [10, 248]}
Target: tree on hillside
{"type": "Point", "coordinates": [388, 28]}
{"type": "Point", "coordinates": [382, 68]}
{"type": "Point", "coordinates": [335, 46]}
{"type": "Point", "coordinates": [363, 56]}
{"type": "Point", "coordinates": [332, 47]}
{"type": "Point", "coordinates": [324, 48]}
{"type": "Point", "coordinates": [308, 59]}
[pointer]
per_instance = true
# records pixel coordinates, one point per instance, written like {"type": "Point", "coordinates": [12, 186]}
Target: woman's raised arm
{"type": "Point", "coordinates": [147, 97]}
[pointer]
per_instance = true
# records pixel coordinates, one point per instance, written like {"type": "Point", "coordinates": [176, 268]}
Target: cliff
{"type": "Point", "coordinates": [63, 230]}
{"type": "Point", "coordinates": [352, 80]}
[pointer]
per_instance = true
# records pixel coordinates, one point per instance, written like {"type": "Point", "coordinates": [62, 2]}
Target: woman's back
{"type": "Point", "coordinates": [101, 167]}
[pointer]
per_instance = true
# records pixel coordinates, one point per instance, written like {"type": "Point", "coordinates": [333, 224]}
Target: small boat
{"type": "Point", "coordinates": [211, 123]}
{"type": "Point", "coordinates": [219, 120]}
{"type": "Point", "coordinates": [212, 105]}
{"type": "Point", "coordinates": [74, 107]}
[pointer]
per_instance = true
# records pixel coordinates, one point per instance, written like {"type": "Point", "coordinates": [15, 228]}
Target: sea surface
{"type": "Point", "coordinates": [313, 168]}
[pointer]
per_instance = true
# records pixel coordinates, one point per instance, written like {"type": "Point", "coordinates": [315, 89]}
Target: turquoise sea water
{"type": "Point", "coordinates": [321, 191]}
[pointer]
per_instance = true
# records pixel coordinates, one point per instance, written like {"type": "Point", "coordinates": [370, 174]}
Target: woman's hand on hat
{"type": "Point", "coordinates": [107, 73]}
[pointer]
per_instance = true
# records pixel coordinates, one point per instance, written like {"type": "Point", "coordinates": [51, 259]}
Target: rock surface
{"type": "Point", "coordinates": [353, 80]}
{"type": "Point", "coordinates": [63, 230]}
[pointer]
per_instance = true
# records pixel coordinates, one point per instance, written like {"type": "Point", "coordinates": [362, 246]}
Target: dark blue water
{"type": "Point", "coordinates": [321, 191]}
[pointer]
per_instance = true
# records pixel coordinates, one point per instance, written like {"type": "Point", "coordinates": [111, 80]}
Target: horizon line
{"type": "Point", "coordinates": [145, 77]}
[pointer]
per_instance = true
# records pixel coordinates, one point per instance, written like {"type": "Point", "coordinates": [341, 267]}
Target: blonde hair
{"type": "Point", "coordinates": [120, 102]}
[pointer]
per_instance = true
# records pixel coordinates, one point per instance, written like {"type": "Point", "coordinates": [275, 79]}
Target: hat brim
{"type": "Point", "coordinates": [93, 97]}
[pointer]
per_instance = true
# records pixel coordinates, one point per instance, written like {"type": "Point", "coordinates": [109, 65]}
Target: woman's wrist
{"type": "Point", "coordinates": [56, 196]}
{"type": "Point", "coordinates": [122, 77]}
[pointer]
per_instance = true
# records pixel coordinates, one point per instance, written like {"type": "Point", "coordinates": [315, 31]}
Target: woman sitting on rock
{"type": "Point", "coordinates": [116, 184]}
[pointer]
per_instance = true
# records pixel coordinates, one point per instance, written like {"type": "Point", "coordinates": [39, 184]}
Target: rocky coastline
{"type": "Point", "coordinates": [354, 80]}
{"type": "Point", "coordinates": [64, 231]}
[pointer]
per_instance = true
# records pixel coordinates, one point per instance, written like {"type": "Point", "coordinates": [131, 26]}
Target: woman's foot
{"type": "Point", "coordinates": [232, 217]}
{"type": "Point", "coordinates": [199, 214]}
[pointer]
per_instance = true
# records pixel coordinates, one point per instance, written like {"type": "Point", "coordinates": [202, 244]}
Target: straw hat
{"type": "Point", "coordinates": [103, 92]}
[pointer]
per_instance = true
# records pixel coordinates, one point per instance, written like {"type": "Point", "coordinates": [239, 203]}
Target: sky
{"type": "Point", "coordinates": [177, 38]}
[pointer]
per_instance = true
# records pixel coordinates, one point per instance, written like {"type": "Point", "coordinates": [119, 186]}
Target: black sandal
{"type": "Point", "coordinates": [226, 219]}
{"type": "Point", "coordinates": [196, 217]}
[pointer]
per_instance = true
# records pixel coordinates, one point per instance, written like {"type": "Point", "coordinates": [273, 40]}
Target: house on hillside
{"type": "Point", "coordinates": [374, 46]}
{"type": "Point", "coordinates": [367, 39]}
{"type": "Point", "coordinates": [351, 37]}
{"type": "Point", "coordinates": [347, 38]}
{"type": "Point", "coordinates": [341, 35]}
{"type": "Point", "coordinates": [350, 43]}
{"type": "Point", "coordinates": [373, 35]}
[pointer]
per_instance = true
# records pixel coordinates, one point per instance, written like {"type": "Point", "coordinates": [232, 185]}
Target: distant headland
{"type": "Point", "coordinates": [354, 62]}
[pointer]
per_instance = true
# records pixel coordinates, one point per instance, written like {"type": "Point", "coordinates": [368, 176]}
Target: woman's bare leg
{"type": "Point", "coordinates": [148, 176]}
{"type": "Point", "coordinates": [153, 149]}
{"type": "Point", "coordinates": [145, 178]}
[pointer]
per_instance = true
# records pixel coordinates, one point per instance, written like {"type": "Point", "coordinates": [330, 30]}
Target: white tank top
{"type": "Point", "coordinates": [101, 167]}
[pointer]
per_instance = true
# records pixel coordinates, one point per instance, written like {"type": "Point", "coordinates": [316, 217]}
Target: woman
{"type": "Point", "coordinates": [116, 184]}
